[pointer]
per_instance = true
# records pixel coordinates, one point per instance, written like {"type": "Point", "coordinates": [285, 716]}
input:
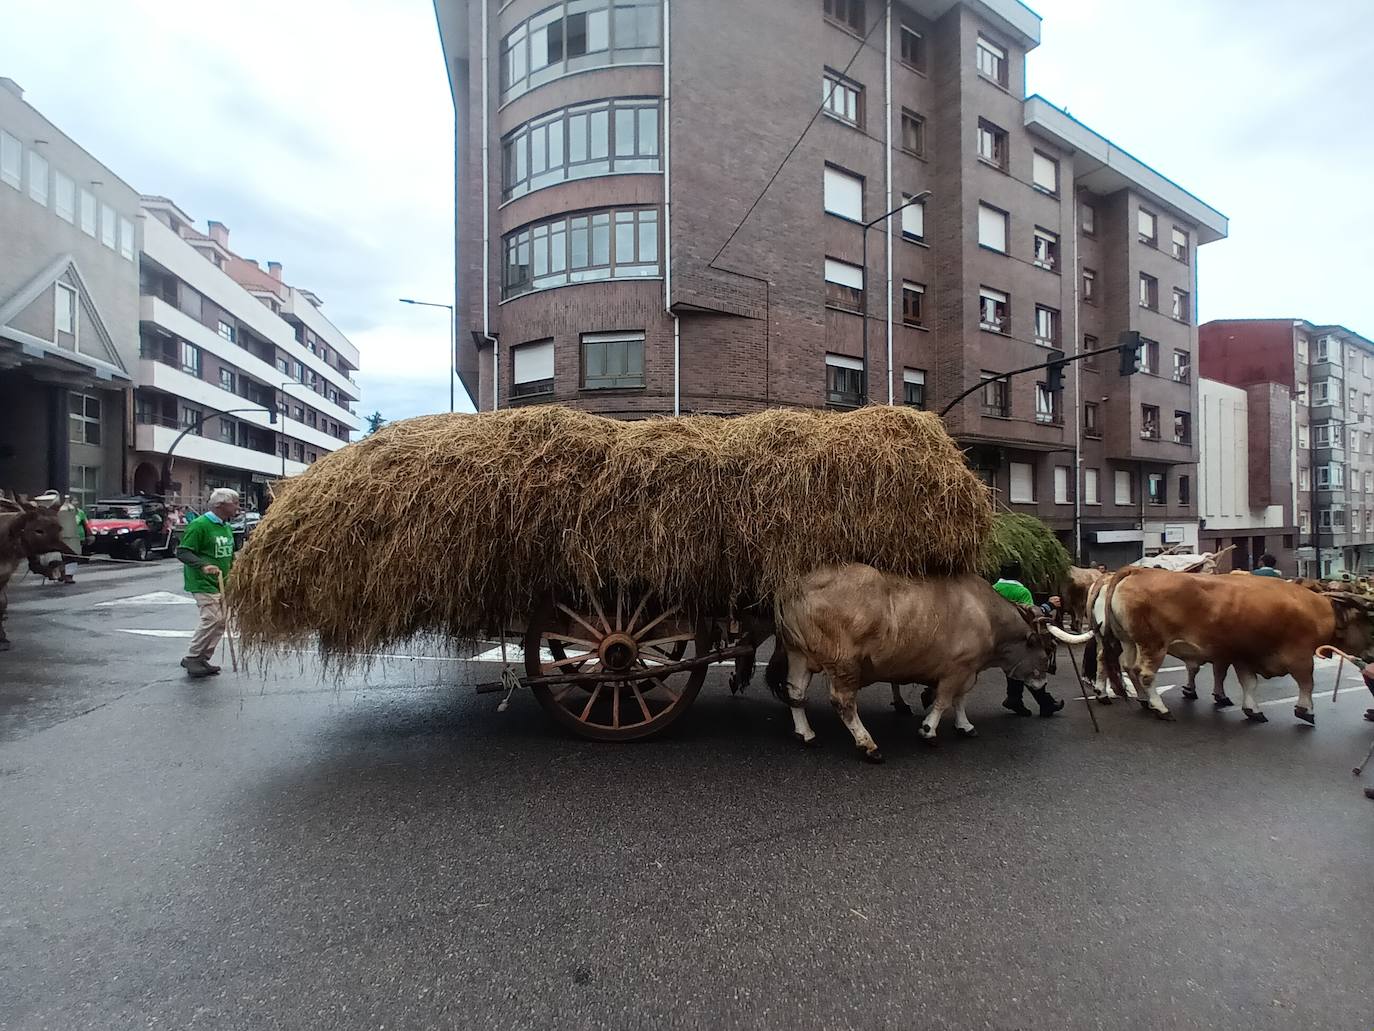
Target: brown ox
{"type": "Point", "coordinates": [1073, 595]}
{"type": "Point", "coordinates": [1261, 626]}
{"type": "Point", "coordinates": [861, 626]}
{"type": "Point", "coordinates": [24, 535]}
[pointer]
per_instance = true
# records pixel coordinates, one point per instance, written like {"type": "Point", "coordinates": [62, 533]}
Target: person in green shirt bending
{"type": "Point", "coordinates": [1010, 587]}
{"type": "Point", "coordinates": [1266, 566]}
{"type": "Point", "coordinates": [206, 551]}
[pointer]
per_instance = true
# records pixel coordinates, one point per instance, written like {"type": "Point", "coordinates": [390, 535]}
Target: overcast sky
{"type": "Point", "coordinates": [320, 132]}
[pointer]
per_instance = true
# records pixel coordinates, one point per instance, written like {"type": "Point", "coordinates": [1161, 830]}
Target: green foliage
{"type": "Point", "coordinates": [1025, 539]}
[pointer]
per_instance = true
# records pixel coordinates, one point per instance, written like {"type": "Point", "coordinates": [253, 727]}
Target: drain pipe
{"type": "Point", "coordinates": [486, 225]}
{"type": "Point", "coordinates": [887, 228]}
{"type": "Point", "coordinates": [668, 208]}
{"type": "Point", "coordinates": [1078, 391]}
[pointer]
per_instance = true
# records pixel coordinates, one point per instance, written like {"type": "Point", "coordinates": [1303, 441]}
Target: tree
{"type": "Point", "coordinates": [374, 423]}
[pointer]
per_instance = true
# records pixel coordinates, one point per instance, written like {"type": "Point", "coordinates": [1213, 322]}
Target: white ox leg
{"type": "Point", "coordinates": [949, 694]}
{"type": "Point", "coordinates": [1248, 703]}
{"type": "Point", "coordinates": [798, 683]}
{"type": "Point", "coordinates": [844, 696]}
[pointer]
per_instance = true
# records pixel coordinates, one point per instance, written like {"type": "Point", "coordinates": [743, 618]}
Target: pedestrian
{"type": "Point", "coordinates": [73, 521]}
{"type": "Point", "coordinates": [1009, 586]}
{"type": "Point", "coordinates": [207, 553]}
{"type": "Point", "coordinates": [1267, 566]}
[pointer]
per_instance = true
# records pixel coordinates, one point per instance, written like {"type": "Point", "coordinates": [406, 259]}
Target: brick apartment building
{"type": "Point", "coordinates": [617, 249]}
{"type": "Point", "coordinates": [1329, 372]}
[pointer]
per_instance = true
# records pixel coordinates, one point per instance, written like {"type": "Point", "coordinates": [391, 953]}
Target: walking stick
{"type": "Point", "coordinates": [228, 623]}
{"type": "Point", "coordinates": [1083, 687]}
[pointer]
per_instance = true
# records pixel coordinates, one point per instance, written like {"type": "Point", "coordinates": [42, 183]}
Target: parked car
{"type": "Point", "coordinates": [133, 527]}
{"type": "Point", "coordinates": [243, 524]}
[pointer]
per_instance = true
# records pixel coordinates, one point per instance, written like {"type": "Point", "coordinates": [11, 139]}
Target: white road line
{"type": "Point", "coordinates": [153, 598]}
{"type": "Point", "coordinates": [158, 633]}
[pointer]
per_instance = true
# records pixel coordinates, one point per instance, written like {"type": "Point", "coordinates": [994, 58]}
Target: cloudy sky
{"type": "Point", "coordinates": [320, 132]}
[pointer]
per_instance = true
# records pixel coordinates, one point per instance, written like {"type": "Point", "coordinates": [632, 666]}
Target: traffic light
{"type": "Point", "coordinates": [1128, 344]}
{"type": "Point", "coordinates": [272, 415]}
{"type": "Point", "coordinates": [1054, 372]}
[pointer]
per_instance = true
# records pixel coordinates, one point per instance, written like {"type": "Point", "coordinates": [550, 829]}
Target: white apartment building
{"type": "Point", "coordinates": [262, 379]}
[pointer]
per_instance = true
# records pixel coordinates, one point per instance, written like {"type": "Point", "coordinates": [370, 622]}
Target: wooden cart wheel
{"type": "Point", "coordinates": [629, 634]}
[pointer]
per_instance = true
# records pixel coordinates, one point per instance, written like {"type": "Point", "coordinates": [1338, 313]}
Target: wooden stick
{"type": "Point", "coordinates": [228, 623]}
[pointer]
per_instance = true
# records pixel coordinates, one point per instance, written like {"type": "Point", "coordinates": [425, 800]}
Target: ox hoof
{"type": "Point", "coordinates": [1165, 715]}
{"type": "Point", "coordinates": [874, 756]}
{"type": "Point", "coordinates": [1189, 694]}
{"type": "Point", "coordinates": [1220, 701]}
{"type": "Point", "coordinates": [927, 734]}
{"type": "Point", "coordinates": [1143, 703]}
{"type": "Point", "coordinates": [1103, 699]}
{"type": "Point", "coordinates": [1306, 715]}
{"type": "Point", "coordinates": [808, 742]}
{"type": "Point", "coordinates": [902, 710]}
{"type": "Point", "coordinates": [1369, 715]}
{"type": "Point", "coordinates": [1255, 716]}
{"type": "Point", "coordinates": [966, 731]}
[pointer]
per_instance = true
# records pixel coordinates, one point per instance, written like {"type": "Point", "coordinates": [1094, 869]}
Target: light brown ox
{"type": "Point", "coordinates": [1073, 595]}
{"type": "Point", "coordinates": [1260, 626]}
{"type": "Point", "coordinates": [861, 626]}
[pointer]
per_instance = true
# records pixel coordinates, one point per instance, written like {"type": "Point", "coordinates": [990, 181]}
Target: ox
{"type": "Point", "coordinates": [25, 534]}
{"type": "Point", "coordinates": [1260, 626]}
{"type": "Point", "coordinates": [1073, 595]}
{"type": "Point", "coordinates": [861, 626]}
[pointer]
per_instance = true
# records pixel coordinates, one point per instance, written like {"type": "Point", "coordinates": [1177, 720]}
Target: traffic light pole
{"type": "Point", "coordinates": [1125, 349]}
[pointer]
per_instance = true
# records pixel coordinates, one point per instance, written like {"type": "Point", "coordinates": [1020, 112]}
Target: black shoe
{"type": "Point", "coordinates": [196, 667]}
{"type": "Point", "coordinates": [1049, 704]}
{"type": "Point", "coordinates": [211, 667]}
{"type": "Point", "coordinates": [1017, 706]}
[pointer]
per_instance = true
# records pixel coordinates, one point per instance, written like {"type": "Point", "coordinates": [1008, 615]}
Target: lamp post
{"type": "Point", "coordinates": [452, 357]}
{"type": "Point", "coordinates": [920, 198]}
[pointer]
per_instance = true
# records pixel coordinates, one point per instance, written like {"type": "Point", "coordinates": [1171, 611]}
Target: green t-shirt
{"type": "Point", "coordinates": [1012, 590]}
{"type": "Point", "coordinates": [212, 541]}
{"type": "Point", "coordinates": [1266, 571]}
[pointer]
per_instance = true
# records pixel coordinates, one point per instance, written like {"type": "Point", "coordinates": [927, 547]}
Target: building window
{"type": "Point", "coordinates": [1090, 343]}
{"type": "Point", "coordinates": [992, 144]}
{"type": "Point", "coordinates": [992, 228]}
{"type": "Point", "coordinates": [83, 420]}
{"type": "Point", "coordinates": [283, 366]}
{"type": "Point", "coordinates": [107, 226]}
{"type": "Point", "coordinates": [913, 48]}
{"type": "Point", "coordinates": [1147, 227]}
{"type": "Point", "coordinates": [1324, 393]}
{"type": "Point", "coordinates": [190, 359]}
{"type": "Point", "coordinates": [1047, 408]}
{"type": "Point", "coordinates": [1329, 350]}
{"type": "Point", "coordinates": [913, 133]}
{"type": "Point", "coordinates": [1045, 172]}
{"type": "Point", "coordinates": [126, 239]}
{"type": "Point", "coordinates": [64, 197]}
{"type": "Point", "coordinates": [312, 419]}
{"type": "Point", "coordinates": [1182, 306]}
{"type": "Point", "coordinates": [1124, 488]}
{"type": "Point", "coordinates": [913, 303]}
{"type": "Point", "coordinates": [298, 451]}
{"type": "Point", "coordinates": [226, 331]}
{"type": "Point", "coordinates": [1330, 475]}
{"type": "Point", "coordinates": [844, 194]}
{"type": "Point", "coordinates": [1183, 367]}
{"type": "Point", "coordinates": [914, 388]}
{"type": "Point", "coordinates": [1323, 433]}
{"type": "Point", "coordinates": [1046, 325]}
{"type": "Point", "coordinates": [991, 61]}
{"type": "Point", "coordinates": [849, 13]}
{"type": "Point", "coordinates": [604, 138]}
{"type": "Point", "coordinates": [11, 160]}
{"type": "Point", "coordinates": [1087, 219]}
{"type": "Point", "coordinates": [88, 212]}
{"type": "Point", "coordinates": [1305, 480]}
{"type": "Point", "coordinates": [1149, 292]}
{"type": "Point", "coordinates": [191, 420]}
{"type": "Point", "coordinates": [582, 249]}
{"type": "Point", "coordinates": [84, 484]}
{"type": "Point", "coordinates": [298, 413]}
{"type": "Point", "coordinates": [64, 299]}
{"type": "Point", "coordinates": [1180, 245]}
{"type": "Point", "coordinates": [1183, 428]}
{"type": "Point", "coordinates": [1155, 482]}
{"type": "Point", "coordinates": [844, 285]}
{"type": "Point", "coordinates": [1022, 483]}
{"type": "Point", "coordinates": [38, 177]}
{"type": "Point", "coordinates": [226, 379]}
{"type": "Point", "coordinates": [577, 35]}
{"type": "Point", "coordinates": [1089, 286]}
{"type": "Point", "coordinates": [1061, 485]}
{"type": "Point", "coordinates": [1046, 249]}
{"type": "Point", "coordinates": [842, 98]}
{"type": "Point", "coordinates": [1091, 427]}
{"type": "Point", "coordinates": [612, 361]}
{"type": "Point", "coordinates": [532, 369]}
{"type": "Point", "coordinates": [994, 310]}
{"type": "Point", "coordinates": [843, 381]}
{"type": "Point", "coordinates": [1302, 349]}
{"type": "Point", "coordinates": [1149, 422]}
{"type": "Point", "coordinates": [227, 430]}
{"type": "Point", "coordinates": [1091, 487]}
{"type": "Point", "coordinates": [996, 396]}
{"type": "Point", "coordinates": [913, 219]}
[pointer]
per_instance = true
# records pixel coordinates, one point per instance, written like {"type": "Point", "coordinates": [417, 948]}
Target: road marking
{"type": "Point", "coordinates": [514, 653]}
{"type": "Point", "coordinates": [158, 633]}
{"type": "Point", "coordinates": [154, 598]}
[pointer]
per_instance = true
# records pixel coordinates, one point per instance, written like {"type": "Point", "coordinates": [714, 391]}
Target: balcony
{"type": "Point", "coordinates": [158, 438]}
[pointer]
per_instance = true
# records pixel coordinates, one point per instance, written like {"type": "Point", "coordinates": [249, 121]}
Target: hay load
{"type": "Point", "coordinates": [459, 524]}
{"type": "Point", "coordinates": [1027, 540]}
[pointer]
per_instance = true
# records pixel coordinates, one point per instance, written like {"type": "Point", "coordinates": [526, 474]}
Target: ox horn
{"type": "Point", "coordinates": [1067, 638]}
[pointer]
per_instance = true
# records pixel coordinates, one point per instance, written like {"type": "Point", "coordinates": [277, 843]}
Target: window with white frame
{"type": "Point", "coordinates": [577, 142]}
{"type": "Point", "coordinates": [1155, 483]}
{"type": "Point", "coordinates": [1182, 306]}
{"type": "Point", "coordinates": [11, 160]}
{"type": "Point", "coordinates": [1091, 487]}
{"type": "Point", "coordinates": [126, 238]}
{"type": "Point", "coordinates": [1305, 521]}
{"type": "Point", "coordinates": [844, 194]}
{"type": "Point", "coordinates": [1089, 286]}
{"type": "Point", "coordinates": [992, 228]}
{"type": "Point", "coordinates": [612, 360]}
{"type": "Point", "coordinates": [1123, 487]}
{"type": "Point", "coordinates": [1149, 292]}
{"type": "Point", "coordinates": [88, 212]}
{"type": "Point", "coordinates": [1302, 437]}
{"type": "Point", "coordinates": [996, 395]}
{"type": "Point", "coordinates": [992, 143]}
{"type": "Point", "coordinates": [991, 61]}
{"type": "Point", "coordinates": [107, 226]}
{"type": "Point", "coordinates": [844, 284]}
{"type": "Point", "coordinates": [1061, 485]}
{"type": "Point", "coordinates": [582, 248]}
{"type": "Point", "coordinates": [1091, 426]}
{"type": "Point", "coordinates": [190, 359]}
{"type": "Point", "coordinates": [1044, 172]}
{"type": "Point", "coordinates": [226, 331]}
{"type": "Point", "coordinates": [913, 303]}
{"type": "Point", "coordinates": [1149, 422]}
{"type": "Point", "coordinates": [532, 369]}
{"type": "Point", "coordinates": [38, 177]}
{"type": "Point", "coordinates": [1329, 350]}
{"type": "Point", "coordinates": [913, 134]}
{"type": "Point", "coordinates": [1087, 219]}
{"type": "Point", "coordinates": [64, 197]}
{"type": "Point", "coordinates": [1332, 474]}
{"type": "Point", "coordinates": [1305, 479]}
{"type": "Point", "coordinates": [83, 418]}
{"type": "Point", "coordinates": [1046, 325]}
{"type": "Point", "coordinates": [842, 98]}
{"type": "Point", "coordinates": [226, 379]}
{"type": "Point", "coordinates": [1147, 226]}
{"type": "Point", "coordinates": [1183, 367]}
{"type": "Point", "coordinates": [844, 378]}
{"type": "Point", "coordinates": [1302, 349]}
{"type": "Point", "coordinates": [994, 310]}
{"type": "Point", "coordinates": [1047, 249]}
{"type": "Point", "coordinates": [1046, 405]}
{"type": "Point", "coordinates": [1326, 392]}
{"type": "Point", "coordinates": [913, 219]}
{"type": "Point", "coordinates": [577, 35]}
{"type": "Point", "coordinates": [914, 387]}
{"type": "Point", "coordinates": [65, 308]}
{"type": "Point", "coordinates": [1354, 439]}
{"type": "Point", "coordinates": [1022, 483]}
{"type": "Point", "coordinates": [1179, 242]}
{"type": "Point", "coordinates": [1322, 434]}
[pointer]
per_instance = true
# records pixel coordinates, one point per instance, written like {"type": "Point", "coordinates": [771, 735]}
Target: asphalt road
{"type": "Point", "coordinates": [387, 851]}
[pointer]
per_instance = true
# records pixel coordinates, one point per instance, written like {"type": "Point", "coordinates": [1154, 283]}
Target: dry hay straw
{"type": "Point", "coordinates": [458, 525]}
{"type": "Point", "coordinates": [1025, 539]}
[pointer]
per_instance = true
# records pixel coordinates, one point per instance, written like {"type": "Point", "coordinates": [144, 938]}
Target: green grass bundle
{"type": "Point", "coordinates": [1025, 539]}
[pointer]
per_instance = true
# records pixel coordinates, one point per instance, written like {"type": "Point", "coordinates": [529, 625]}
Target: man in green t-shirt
{"type": "Point", "coordinates": [1010, 587]}
{"type": "Point", "coordinates": [207, 552]}
{"type": "Point", "coordinates": [1266, 566]}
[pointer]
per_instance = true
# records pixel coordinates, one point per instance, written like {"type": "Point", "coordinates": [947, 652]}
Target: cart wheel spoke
{"type": "Point", "coordinates": [597, 634]}
{"type": "Point", "coordinates": [639, 697]}
{"type": "Point", "coordinates": [639, 611]}
{"type": "Point", "coordinates": [596, 692]}
{"type": "Point", "coordinates": [615, 704]}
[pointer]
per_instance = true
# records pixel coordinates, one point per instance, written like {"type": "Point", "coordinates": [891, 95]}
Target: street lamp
{"type": "Point", "coordinates": [920, 198]}
{"type": "Point", "coordinates": [452, 356]}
